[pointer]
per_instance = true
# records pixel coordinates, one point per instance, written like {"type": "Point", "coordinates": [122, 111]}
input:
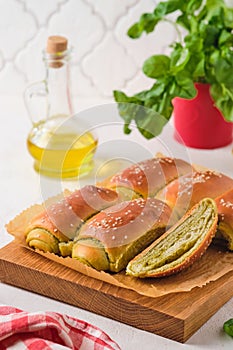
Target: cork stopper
{"type": "Point", "coordinates": [56, 44]}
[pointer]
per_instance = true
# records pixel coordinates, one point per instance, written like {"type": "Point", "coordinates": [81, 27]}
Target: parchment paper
{"type": "Point", "coordinates": [215, 263]}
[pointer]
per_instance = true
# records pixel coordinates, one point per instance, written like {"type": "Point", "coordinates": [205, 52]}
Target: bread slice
{"type": "Point", "coordinates": [180, 246]}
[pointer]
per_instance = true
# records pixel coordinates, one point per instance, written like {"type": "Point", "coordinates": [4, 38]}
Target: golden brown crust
{"type": "Point", "coordinates": [63, 218]}
{"type": "Point", "coordinates": [109, 239]}
{"type": "Point", "coordinates": [126, 221]}
{"type": "Point", "coordinates": [225, 207]}
{"type": "Point", "coordinates": [187, 261]}
{"type": "Point", "coordinates": [225, 216]}
{"type": "Point", "coordinates": [146, 178]}
{"type": "Point", "coordinates": [118, 228]}
{"type": "Point", "coordinates": [184, 192]}
{"type": "Point", "coordinates": [91, 253]}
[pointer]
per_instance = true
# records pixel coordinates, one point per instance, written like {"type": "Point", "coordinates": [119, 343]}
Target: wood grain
{"type": "Point", "coordinates": [176, 316]}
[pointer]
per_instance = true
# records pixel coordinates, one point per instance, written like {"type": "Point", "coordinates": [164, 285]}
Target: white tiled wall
{"type": "Point", "coordinates": [104, 58]}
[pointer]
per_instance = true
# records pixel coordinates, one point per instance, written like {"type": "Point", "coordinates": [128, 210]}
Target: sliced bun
{"type": "Point", "coordinates": [180, 246]}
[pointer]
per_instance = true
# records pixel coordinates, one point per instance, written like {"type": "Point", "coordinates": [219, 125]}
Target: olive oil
{"type": "Point", "coordinates": [60, 151]}
{"type": "Point", "coordinates": [61, 145]}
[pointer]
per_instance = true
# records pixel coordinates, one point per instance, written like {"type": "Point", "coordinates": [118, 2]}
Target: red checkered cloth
{"type": "Point", "coordinates": [49, 330]}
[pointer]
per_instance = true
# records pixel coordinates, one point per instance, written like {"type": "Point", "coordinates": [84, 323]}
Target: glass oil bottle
{"type": "Point", "coordinates": [62, 147]}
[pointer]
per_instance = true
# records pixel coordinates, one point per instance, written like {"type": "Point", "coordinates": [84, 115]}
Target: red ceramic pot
{"type": "Point", "coordinates": [198, 123]}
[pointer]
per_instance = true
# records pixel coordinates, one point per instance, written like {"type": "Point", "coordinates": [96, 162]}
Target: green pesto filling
{"type": "Point", "coordinates": [65, 248]}
{"type": "Point", "coordinates": [127, 193]}
{"type": "Point", "coordinates": [35, 240]}
{"type": "Point", "coordinates": [93, 260]}
{"type": "Point", "coordinates": [130, 250]}
{"type": "Point", "coordinates": [179, 244]}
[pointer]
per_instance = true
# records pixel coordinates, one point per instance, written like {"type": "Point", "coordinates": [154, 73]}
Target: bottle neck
{"type": "Point", "coordinates": [58, 84]}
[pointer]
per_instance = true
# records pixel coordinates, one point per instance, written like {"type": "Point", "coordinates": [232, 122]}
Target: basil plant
{"type": "Point", "coordinates": [203, 54]}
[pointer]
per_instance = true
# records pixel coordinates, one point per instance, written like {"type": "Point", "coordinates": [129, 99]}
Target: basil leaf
{"type": "Point", "coordinates": [127, 107]}
{"type": "Point", "coordinates": [181, 60]}
{"type": "Point", "coordinates": [149, 122]}
{"type": "Point", "coordinates": [211, 35]}
{"type": "Point", "coordinates": [223, 99]}
{"type": "Point", "coordinates": [146, 23]}
{"type": "Point", "coordinates": [183, 20]}
{"type": "Point", "coordinates": [134, 31]}
{"type": "Point", "coordinates": [226, 38]}
{"type": "Point", "coordinates": [222, 69]}
{"type": "Point", "coordinates": [156, 66]}
{"type": "Point", "coordinates": [165, 106]}
{"type": "Point", "coordinates": [203, 54]}
{"type": "Point", "coordinates": [187, 88]}
{"type": "Point", "coordinates": [199, 70]}
{"type": "Point", "coordinates": [214, 8]}
{"type": "Point", "coordinates": [156, 90]}
{"type": "Point", "coordinates": [166, 7]}
{"type": "Point", "coordinates": [228, 327]}
{"type": "Point", "coordinates": [194, 43]}
{"type": "Point", "coordinates": [123, 98]}
{"type": "Point", "coordinates": [193, 5]}
{"type": "Point", "coordinates": [228, 18]}
{"type": "Point", "coordinates": [226, 107]}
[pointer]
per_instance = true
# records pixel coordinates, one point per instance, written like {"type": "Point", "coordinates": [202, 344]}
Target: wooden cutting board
{"type": "Point", "coordinates": [176, 316]}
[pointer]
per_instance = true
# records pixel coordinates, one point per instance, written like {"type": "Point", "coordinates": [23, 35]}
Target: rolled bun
{"type": "Point", "coordinates": [180, 246]}
{"type": "Point", "coordinates": [184, 192]}
{"type": "Point", "coordinates": [146, 178]}
{"type": "Point", "coordinates": [106, 226]}
{"type": "Point", "coordinates": [61, 221]}
{"type": "Point", "coordinates": [225, 217]}
{"type": "Point", "coordinates": [112, 237]}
